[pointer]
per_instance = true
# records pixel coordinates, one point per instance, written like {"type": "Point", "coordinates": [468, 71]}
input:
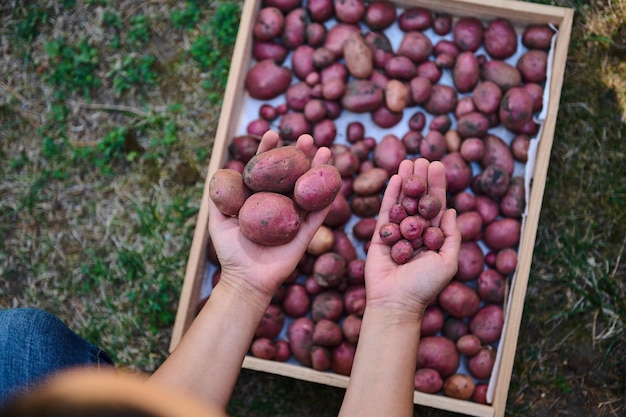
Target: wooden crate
{"type": "Point", "coordinates": [230, 124]}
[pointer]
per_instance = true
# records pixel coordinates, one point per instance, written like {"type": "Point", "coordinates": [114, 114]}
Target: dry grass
{"type": "Point", "coordinates": [100, 185]}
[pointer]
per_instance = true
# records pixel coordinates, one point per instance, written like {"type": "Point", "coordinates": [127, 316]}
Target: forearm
{"type": "Point", "coordinates": [208, 360]}
{"type": "Point", "coordinates": [381, 381]}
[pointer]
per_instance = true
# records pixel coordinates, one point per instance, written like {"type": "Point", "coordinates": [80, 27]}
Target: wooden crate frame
{"type": "Point", "coordinates": [519, 12]}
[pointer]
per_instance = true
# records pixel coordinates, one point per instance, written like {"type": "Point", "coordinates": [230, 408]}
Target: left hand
{"type": "Point", "coordinates": [255, 269]}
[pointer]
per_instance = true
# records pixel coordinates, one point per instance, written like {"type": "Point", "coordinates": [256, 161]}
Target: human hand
{"type": "Point", "coordinates": [255, 269]}
{"type": "Point", "coordinates": [407, 289]}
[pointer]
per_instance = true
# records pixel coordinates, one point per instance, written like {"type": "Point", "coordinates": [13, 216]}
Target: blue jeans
{"type": "Point", "coordinates": [35, 344]}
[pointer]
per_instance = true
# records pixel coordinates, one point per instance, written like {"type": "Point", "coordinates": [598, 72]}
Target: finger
{"type": "Point", "coordinates": [321, 157]}
{"type": "Point", "coordinates": [420, 167]}
{"type": "Point", "coordinates": [269, 140]}
{"type": "Point", "coordinates": [452, 238]}
{"type": "Point", "coordinates": [437, 186]}
{"type": "Point", "coordinates": [305, 143]}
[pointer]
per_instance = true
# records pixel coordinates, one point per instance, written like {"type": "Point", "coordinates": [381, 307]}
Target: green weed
{"type": "Point", "coordinates": [139, 32]}
{"type": "Point", "coordinates": [73, 67]}
{"type": "Point", "coordinates": [131, 71]}
{"type": "Point", "coordinates": [188, 17]}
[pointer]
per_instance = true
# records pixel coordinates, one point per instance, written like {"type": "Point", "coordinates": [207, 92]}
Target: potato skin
{"type": "Point", "coordinates": [500, 39]}
{"type": "Point", "coordinates": [459, 386]}
{"type": "Point", "coordinates": [276, 170]}
{"type": "Point", "coordinates": [267, 80]}
{"type": "Point", "coordinates": [459, 300]}
{"type": "Point", "coordinates": [427, 380]}
{"type": "Point", "coordinates": [362, 96]}
{"type": "Point", "coordinates": [228, 191]}
{"type": "Point", "coordinates": [300, 336]}
{"type": "Point", "coordinates": [438, 353]}
{"type": "Point", "coordinates": [317, 188]}
{"type": "Point", "coordinates": [502, 233]}
{"type": "Point", "coordinates": [358, 56]}
{"type": "Point", "coordinates": [487, 323]}
{"type": "Point", "coordinates": [269, 219]}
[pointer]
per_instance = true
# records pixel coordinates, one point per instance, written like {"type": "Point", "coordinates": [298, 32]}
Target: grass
{"type": "Point", "coordinates": [106, 133]}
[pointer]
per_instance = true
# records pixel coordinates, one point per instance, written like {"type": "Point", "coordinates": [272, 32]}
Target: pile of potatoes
{"type": "Point", "coordinates": [318, 63]}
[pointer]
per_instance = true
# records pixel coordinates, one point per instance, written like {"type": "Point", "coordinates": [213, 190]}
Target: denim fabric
{"type": "Point", "coordinates": [34, 344]}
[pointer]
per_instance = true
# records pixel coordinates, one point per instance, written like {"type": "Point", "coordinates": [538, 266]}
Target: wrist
{"type": "Point", "coordinates": [240, 291]}
{"type": "Point", "coordinates": [395, 313]}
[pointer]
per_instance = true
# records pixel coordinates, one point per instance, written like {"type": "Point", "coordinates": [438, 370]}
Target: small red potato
{"type": "Point", "coordinates": [296, 302]}
{"type": "Point", "coordinates": [364, 228]}
{"type": "Point", "coordinates": [275, 51]}
{"type": "Point", "coordinates": [370, 182]}
{"type": "Point", "coordinates": [320, 358]}
{"type": "Point", "coordinates": [327, 333]}
{"type": "Point", "coordinates": [454, 328]}
{"type": "Point", "coordinates": [350, 11]}
{"type": "Point", "coordinates": [480, 394]}
{"type": "Point", "coordinates": [468, 344]}
{"type": "Point", "coordinates": [390, 233]}
{"type": "Point", "coordinates": [362, 96]}
{"type": "Point", "coordinates": [468, 33]}
{"type": "Point", "coordinates": [459, 300]}
{"type": "Point", "coordinates": [432, 322]}
{"type": "Point", "coordinates": [433, 146]}
{"type": "Point", "coordinates": [351, 328]}
{"type": "Point", "coordinates": [487, 323]}
{"type": "Point", "coordinates": [416, 46]}
{"type": "Point", "coordinates": [494, 181]}
{"type": "Point", "coordinates": [473, 125]}
{"type": "Point", "coordinates": [465, 72]}
{"type": "Point", "coordinates": [396, 213]}
{"type": "Point", "coordinates": [294, 33]}
{"type": "Point", "coordinates": [269, 23]}
{"type": "Point", "coordinates": [292, 125]}
{"type": "Point", "coordinates": [269, 219]}
{"type": "Point", "coordinates": [411, 227]}
{"type": "Point", "coordinates": [343, 245]}
{"type": "Point", "coordinates": [537, 36]}
{"type": "Point", "coordinates": [415, 19]}
{"type": "Point", "coordinates": [429, 206]}
{"type": "Point", "coordinates": [470, 224]}
{"type": "Point", "coordinates": [400, 67]}
{"type": "Point", "coordinates": [500, 39]}
{"type": "Point", "coordinates": [263, 348]}
{"type": "Point", "coordinates": [283, 351]}
{"type": "Point", "coordinates": [315, 33]}
{"type": "Point", "coordinates": [343, 358]}
{"type": "Point", "coordinates": [257, 127]}
{"type": "Point", "coordinates": [272, 322]}
{"type": "Point", "coordinates": [440, 123]}
{"type": "Point", "coordinates": [519, 147]}
{"type": "Point", "coordinates": [228, 191]}
{"type": "Point", "coordinates": [428, 380]}
{"type": "Point", "coordinates": [442, 24]}
{"type": "Point", "coordinates": [487, 96]}
{"type": "Point", "coordinates": [354, 300]}
{"type": "Point", "coordinates": [381, 48]}
{"type": "Point", "coordinates": [443, 99]}
{"type": "Point", "coordinates": [502, 233]}
{"type": "Point", "coordinates": [320, 10]}
{"type": "Point", "coordinates": [481, 364]}
{"type": "Point", "coordinates": [516, 108]}
{"type": "Point", "coordinates": [298, 95]}
{"type": "Point", "coordinates": [300, 336]}
{"type": "Point", "coordinates": [356, 272]}
{"type": "Point", "coordinates": [414, 185]}
{"type": "Point", "coordinates": [433, 238]}
{"type": "Point", "coordinates": [284, 5]}
{"type": "Point", "coordinates": [329, 269]}
{"type": "Point", "coordinates": [533, 66]}
{"type": "Point", "coordinates": [471, 261]}
{"type": "Point", "coordinates": [464, 105]}
{"type": "Point", "coordinates": [491, 286]}
{"type": "Point", "coordinates": [503, 74]}
{"type": "Point", "coordinates": [506, 261]}
{"type": "Point", "coordinates": [302, 63]}
{"type": "Point", "coordinates": [438, 353]}
{"type": "Point", "coordinates": [488, 208]}
{"type": "Point", "coordinates": [498, 153]}
{"type": "Point", "coordinates": [242, 148]}
{"type": "Point", "coordinates": [513, 203]}
{"type": "Point", "coordinates": [328, 305]}
{"type": "Point", "coordinates": [389, 153]}
{"type": "Point", "coordinates": [317, 188]}
{"type": "Point", "coordinates": [464, 201]}
{"type": "Point", "coordinates": [420, 89]}
{"type": "Point", "coordinates": [266, 80]}
{"type": "Point", "coordinates": [401, 251]}
{"type": "Point", "coordinates": [460, 386]}
{"type": "Point", "coordinates": [380, 14]}
{"type": "Point", "coordinates": [472, 149]}
{"type": "Point", "coordinates": [340, 212]}
{"type": "Point", "coordinates": [276, 170]}
{"type": "Point", "coordinates": [336, 36]}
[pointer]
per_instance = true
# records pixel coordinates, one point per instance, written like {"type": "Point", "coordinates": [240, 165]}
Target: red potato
{"type": "Point", "coordinates": [460, 386]}
{"type": "Point", "coordinates": [443, 99]}
{"type": "Point", "coordinates": [442, 24]}
{"type": "Point", "coordinates": [429, 206]}
{"type": "Point", "coordinates": [411, 227]}
{"type": "Point", "coordinates": [459, 300]}
{"type": "Point", "coordinates": [536, 93]}
{"type": "Point", "coordinates": [283, 351]}
{"type": "Point", "coordinates": [355, 132]}
{"type": "Point", "coordinates": [432, 322]}
{"type": "Point", "coordinates": [351, 328]}
{"type": "Point", "coordinates": [350, 11]}
{"type": "Point", "coordinates": [327, 333]}
{"type": "Point", "coordinates": [269, 23]}
{"type": "Point", "coordinates": [336, 36]}
{"type": "Point", "coordinates": [242, 148]}
{"type": "Point", "coordinates": [470, 224]}
{"type": "Point", "coordinates": [328, 305]}
{"type": "Point", "coordinates": [311, 286]}
{"type": "Point", "coordinates": [300, 336]}
{"type": "Point", "coordinates": [298, 95]}
{"type": "Point", "coordinates": [267, 80]}
{"type": "Point", "coordinates": [346, 162]}
{"type": "Point", "coordinates": [257, 127]}
{"type": "Point", "coordinates": [371, 181]}
{"type": "Point", "coordinates": [390, 233]}
{"type": "Point", "coordinates": [500, 39]}
{"type": "Point", "coordinates": [315, 110]}
{"type": "Point", "coordinates": [333, 89]}
{"type": "Point", "coordinates": [389, 153]}
{"type": "Point", "coordinates": [329, 269]}
{"type": "Point", "coordinates": [358, 56]}
{"type": "Point", "coordinates": [284, 5]}
{"type": "Point", "coordinates": [454, 328]}
{"type": "Point", "coordinates": [440, 123]}
{"type": "Point", "coordinates": [433, 147]}
{"type": "Point", "coordinates": [430, 70]}
{"type": "Point", "coordinates": [340, 212]}
{"type": "Point", "coordinates": [488, 208]}
{"type": "Point", "coordinates": [464, 106]}
{"type": "Point", "coordinates": [364, 228]}
{"type": "Point", "coordinates": [320, 10]}
{"type": "Point", "coordinates": [463, 201]}
{"type": "Point", "coordinates": [506, 261]}
{"type": "Point", "coordinates": [468, 33]}
{"type": "Point", "coordinates": [397, 212]}
{"type": "Point", "coordinates": [293, 125]}
{"type": "Point", "coordinates": [381, 48]}
{"type": "Point", "coordinates": [263, 348]}
{"type": "Point", "coordinates": [365, 206]}
{"type": "Point", "coordinates": [468, 345]}
{"type": "Point", "coordinates": [503, 74]}
{"type": "Point", "coordinates": [428, 381]}
{"type": "Point", "coordinates": [533, 66]}
{"type": "Point", "coordinates": [380, 14]}
{"type": "Point", "coordinates": [272, 322]}
{"type": "Point", "coordinates": [513, 203]}
{"type": "Point", "coordinates": [317, 188]}
{"type": "Point", "coordinates": [498, 153]}
{"type": "Point", "coordinates": [343, 358]}
{"type": "Point", "coordinates": [275, 51]}
{"type": "Point", "coordinates": [415, 19]}
{"type": "Point", "coordinates": [296, 302]}
{"type": "Point", "coordinates": [302, 63]}
{"type": "Point", "coordinates": [294, 33]}
{"type": "Point", "coordinates": [386, 118]}
{"type": "Point", "coordinates": [315, 34]}
{"type": "Point", "coordinates": [444, 60]}
{"type": "Point", "coordinates": [487, 96]}
{"type": "Point", "coordinates": [343, 246]}
{"type": "Point", "coordinates": [502, 233]}
{"type": "Point", "coordinates": [480, 393]}
{"type": "Point", "coordinates": [446, 46]}
{"type": "Point", "coordinates": [354, 300]}
{"type": "Point", "coordinates": [481, 364]}
{"type": "Point", "coordinates": [472, 149]}
{"type": "Point", "coordinates": [414, 185]}
{"type": "Point", "coordinates": [401, 251]}
{"type": "Point", "coordinates": [473, 125]}
{"type": "Point", "coordinates": [416, 46]}
{"type": "Point", "coordinates": [269, 219]}
{"type": "Point", "coordinates": [228, 191]}
{"type": "Point", "coordinates": [516, 108]}
{"type": "Point", "coordinates": [356, 272]}
{"type": "Point", "coordinates": [487, 323]}
{"type": "Point", "coordinates": [471, 262]}
{"type": "Point", "coordinates": [465, 72]}
{"type": "Point", "coordinates": [494, 181]}
{"type": "Point", "coordinates": [323, 57]}
{"type": "Point", "coordinates": [537, 36]}
{"type": "Point", "coordinates": [334, 70]}
{"type": "Point", "coordinates": [400, 67]}
{"type": "Point", "coordinates": [438, 353]}
{"type": "Point", "coordinates": [433, 238]}
{"type": "Point", "coordinates": [491, 286]}
{"type": "Point", "coordinates": [276, 169]}
{"type": "Point", "coordinates": [362, 96]}
{"type": "Point", "coordinates": [320, 358]}
{"type": "Point", "coordinates": [420, 89]}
